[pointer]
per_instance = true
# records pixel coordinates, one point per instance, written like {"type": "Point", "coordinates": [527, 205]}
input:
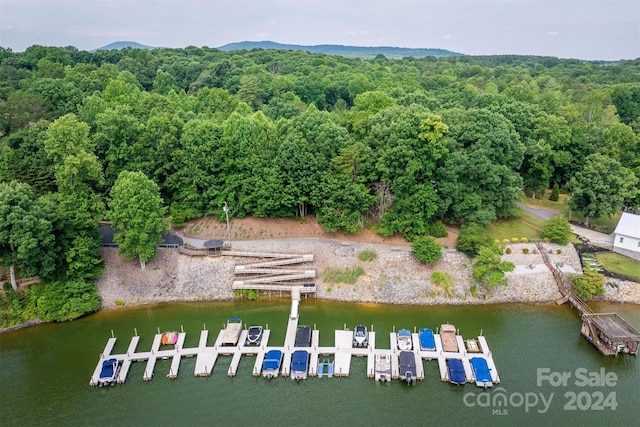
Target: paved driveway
{"type": "Point", "coordinates": [594, 237]}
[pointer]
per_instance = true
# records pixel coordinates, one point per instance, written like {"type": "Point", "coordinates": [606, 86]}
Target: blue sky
{"type": "Point", "coordinates": [584, 29]}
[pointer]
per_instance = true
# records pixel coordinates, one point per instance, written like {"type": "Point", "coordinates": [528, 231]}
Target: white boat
{"type": "Point", "coordinates": [232, 331]}
{"type": "Point", "coordinates": [254, 335]}
{"type": "Point", "coordinates": [404, 340]}
{"type": "Point", "coordinates": [360, 336]}
{"type": "Point", "coordinates": [382, 367]}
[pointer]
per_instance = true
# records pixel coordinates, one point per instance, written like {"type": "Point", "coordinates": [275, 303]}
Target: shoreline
{"type": "Point", "coordinates": [394, 277]}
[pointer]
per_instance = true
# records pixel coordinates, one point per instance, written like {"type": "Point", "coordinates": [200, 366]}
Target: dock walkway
{"type": "Point", "coordinates": [342, 351]}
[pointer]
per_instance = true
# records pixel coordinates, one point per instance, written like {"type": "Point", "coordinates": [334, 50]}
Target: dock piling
{"type": "Point", "coordinates": [112, 335]}
{"type": "Point", "coordinates": [135, 330]}
{"type": "Point", "coordinates": [182, 329]}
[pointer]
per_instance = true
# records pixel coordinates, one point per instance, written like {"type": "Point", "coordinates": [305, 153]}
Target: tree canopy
{"type": "Point", "coordinates": [395, 144]}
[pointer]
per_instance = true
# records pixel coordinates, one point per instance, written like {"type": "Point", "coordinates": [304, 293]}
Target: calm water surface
{"type": "Point", "coordinates": [45, 371]}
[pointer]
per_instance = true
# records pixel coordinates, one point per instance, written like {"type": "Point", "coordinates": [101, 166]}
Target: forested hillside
{"type": "Point", "coordinates": [398, 144]}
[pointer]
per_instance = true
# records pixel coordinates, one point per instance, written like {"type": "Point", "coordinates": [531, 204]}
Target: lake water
{"type": "Point", "coordinates": [45, 371]}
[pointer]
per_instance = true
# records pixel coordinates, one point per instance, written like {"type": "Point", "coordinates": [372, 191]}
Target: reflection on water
{"type": "Point", "coordinates": [45, 371]}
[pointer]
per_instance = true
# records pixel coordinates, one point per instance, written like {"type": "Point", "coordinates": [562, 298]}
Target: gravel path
{"type": "Point", "coordinates": [394, 277]}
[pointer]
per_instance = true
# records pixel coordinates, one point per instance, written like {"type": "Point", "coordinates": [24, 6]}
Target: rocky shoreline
{"type": "Point", "coordinates": [393, 277]}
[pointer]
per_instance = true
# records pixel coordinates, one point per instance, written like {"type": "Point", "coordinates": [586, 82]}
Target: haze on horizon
{"type": "Point", "coordinates": [583, 29]}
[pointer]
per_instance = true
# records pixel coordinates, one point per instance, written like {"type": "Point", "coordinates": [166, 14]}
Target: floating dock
{"type": "Point", "coordinates": [342, 351]}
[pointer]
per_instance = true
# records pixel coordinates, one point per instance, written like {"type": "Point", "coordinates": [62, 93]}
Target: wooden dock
{"type": "Point", "coordinates": [608, 332]}
{"type": "Point", "coordinates": [342, 352]}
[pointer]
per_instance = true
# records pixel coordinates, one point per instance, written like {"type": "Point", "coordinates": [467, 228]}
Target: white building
{"type": "Point", "coordinates": [627, 236]}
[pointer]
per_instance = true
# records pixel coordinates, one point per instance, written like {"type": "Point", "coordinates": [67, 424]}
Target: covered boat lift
{"type": "Point", "coordinates": [610, 333]}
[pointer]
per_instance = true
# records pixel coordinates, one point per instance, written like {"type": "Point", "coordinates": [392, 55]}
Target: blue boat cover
{"type": "Point", "coordinates": [108, 369]}
{"type": "Point", "coordinates": [272, 359]}
{"type": "Point", "coordinates": [427, 342]}
{"type": "Point", "coordinates": [481, 369]}
{"type": "Point", "coordinates": [303, 336]}
{"type": "Point", "coordinates": [456, 371]}
{"type": "Point", "coordinates": [299, 361]}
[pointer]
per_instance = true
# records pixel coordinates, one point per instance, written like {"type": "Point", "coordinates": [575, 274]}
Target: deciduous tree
{"type": "Point", "coordinates": [137, 215]}
{"type": "Point", "coordinates": [26, 233]}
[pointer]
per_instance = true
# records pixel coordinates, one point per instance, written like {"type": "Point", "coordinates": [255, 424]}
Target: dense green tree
{"type": "Point", "coordinates": [478, 182]}
{"type": "Point", "coordinates": [137, 215]}
{"type": "Point", "coordinates": [303, 159]}
{"type": "Point", "coordinates": [26, 232]}
{"type": "Point", "coordinates": [601, 187]}
{"type": "Point", "coordinates": [626, 98]}
{"type": "Point", "coordinates": [344, 204]}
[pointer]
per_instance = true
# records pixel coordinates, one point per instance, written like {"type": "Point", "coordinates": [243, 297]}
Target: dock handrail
{"type": "Point", "coordinates": [564, 286]}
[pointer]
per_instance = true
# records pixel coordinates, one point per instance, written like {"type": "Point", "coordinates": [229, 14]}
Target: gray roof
{"type": "Point", "coordinates": [629, 225]}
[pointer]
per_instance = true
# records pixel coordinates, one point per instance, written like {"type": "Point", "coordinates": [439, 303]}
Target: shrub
{"type": "Point", "coordinates": [427, 250]}
{"type": "Point", "coordinates": [557, 229]}
{"type": "Point", "coordinates": [558, 251]}
{"type": "Point", "coordinates": [508, 250]}
{"type": "Point", "coordinates": [506, 241]}
{"type": "Point", "coordinates": [119, 302]}
{"type": "Point", "coordinates": [524, 240]}
{"type": "Point", "coordinates": [546, 240]}
{"type": "Point", "coordinates": [555, 193]}
{"type": "Point", "coordinates": [472, 237]}
{"type": "Point", "coordinates": [444, 281]}
{"type": "Point", "coordinates": [525, 250]}
{"type": "Point", "coordinates": [367, 255]}
{"type": "Point", "coordinates": [514, 240]}
{"type": "Point", "coordinates": [489, 270]}
{"type": "Point", "coordinates": [437, 229]}
{"type": "Point", "coordinates": [590, 284]}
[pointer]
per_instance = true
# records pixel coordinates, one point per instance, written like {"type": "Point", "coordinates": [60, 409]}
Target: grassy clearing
{"type": "Point", "coordinates": [342, 275]}
{"type": "Point", "coordinates": [619, 264]}
{"type": "Point", "coordinates": [522, 225]}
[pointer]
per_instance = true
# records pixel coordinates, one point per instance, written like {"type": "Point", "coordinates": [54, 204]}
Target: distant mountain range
{"type": "Point", "coordinates": [351, 51]}
{"type": "Point", "coordinates": [122, 45]}
{"type": "Point", "coordinates": [329, 49]}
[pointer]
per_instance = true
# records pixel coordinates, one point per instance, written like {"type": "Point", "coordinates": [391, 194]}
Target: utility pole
{"type": "Point", "coordinates": [225, 208]}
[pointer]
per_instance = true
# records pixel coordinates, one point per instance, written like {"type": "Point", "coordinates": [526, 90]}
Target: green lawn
{"type": "Point", "coordinates": [619, 264]}
{"type": "Point", "coordinates": [522, 225]}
